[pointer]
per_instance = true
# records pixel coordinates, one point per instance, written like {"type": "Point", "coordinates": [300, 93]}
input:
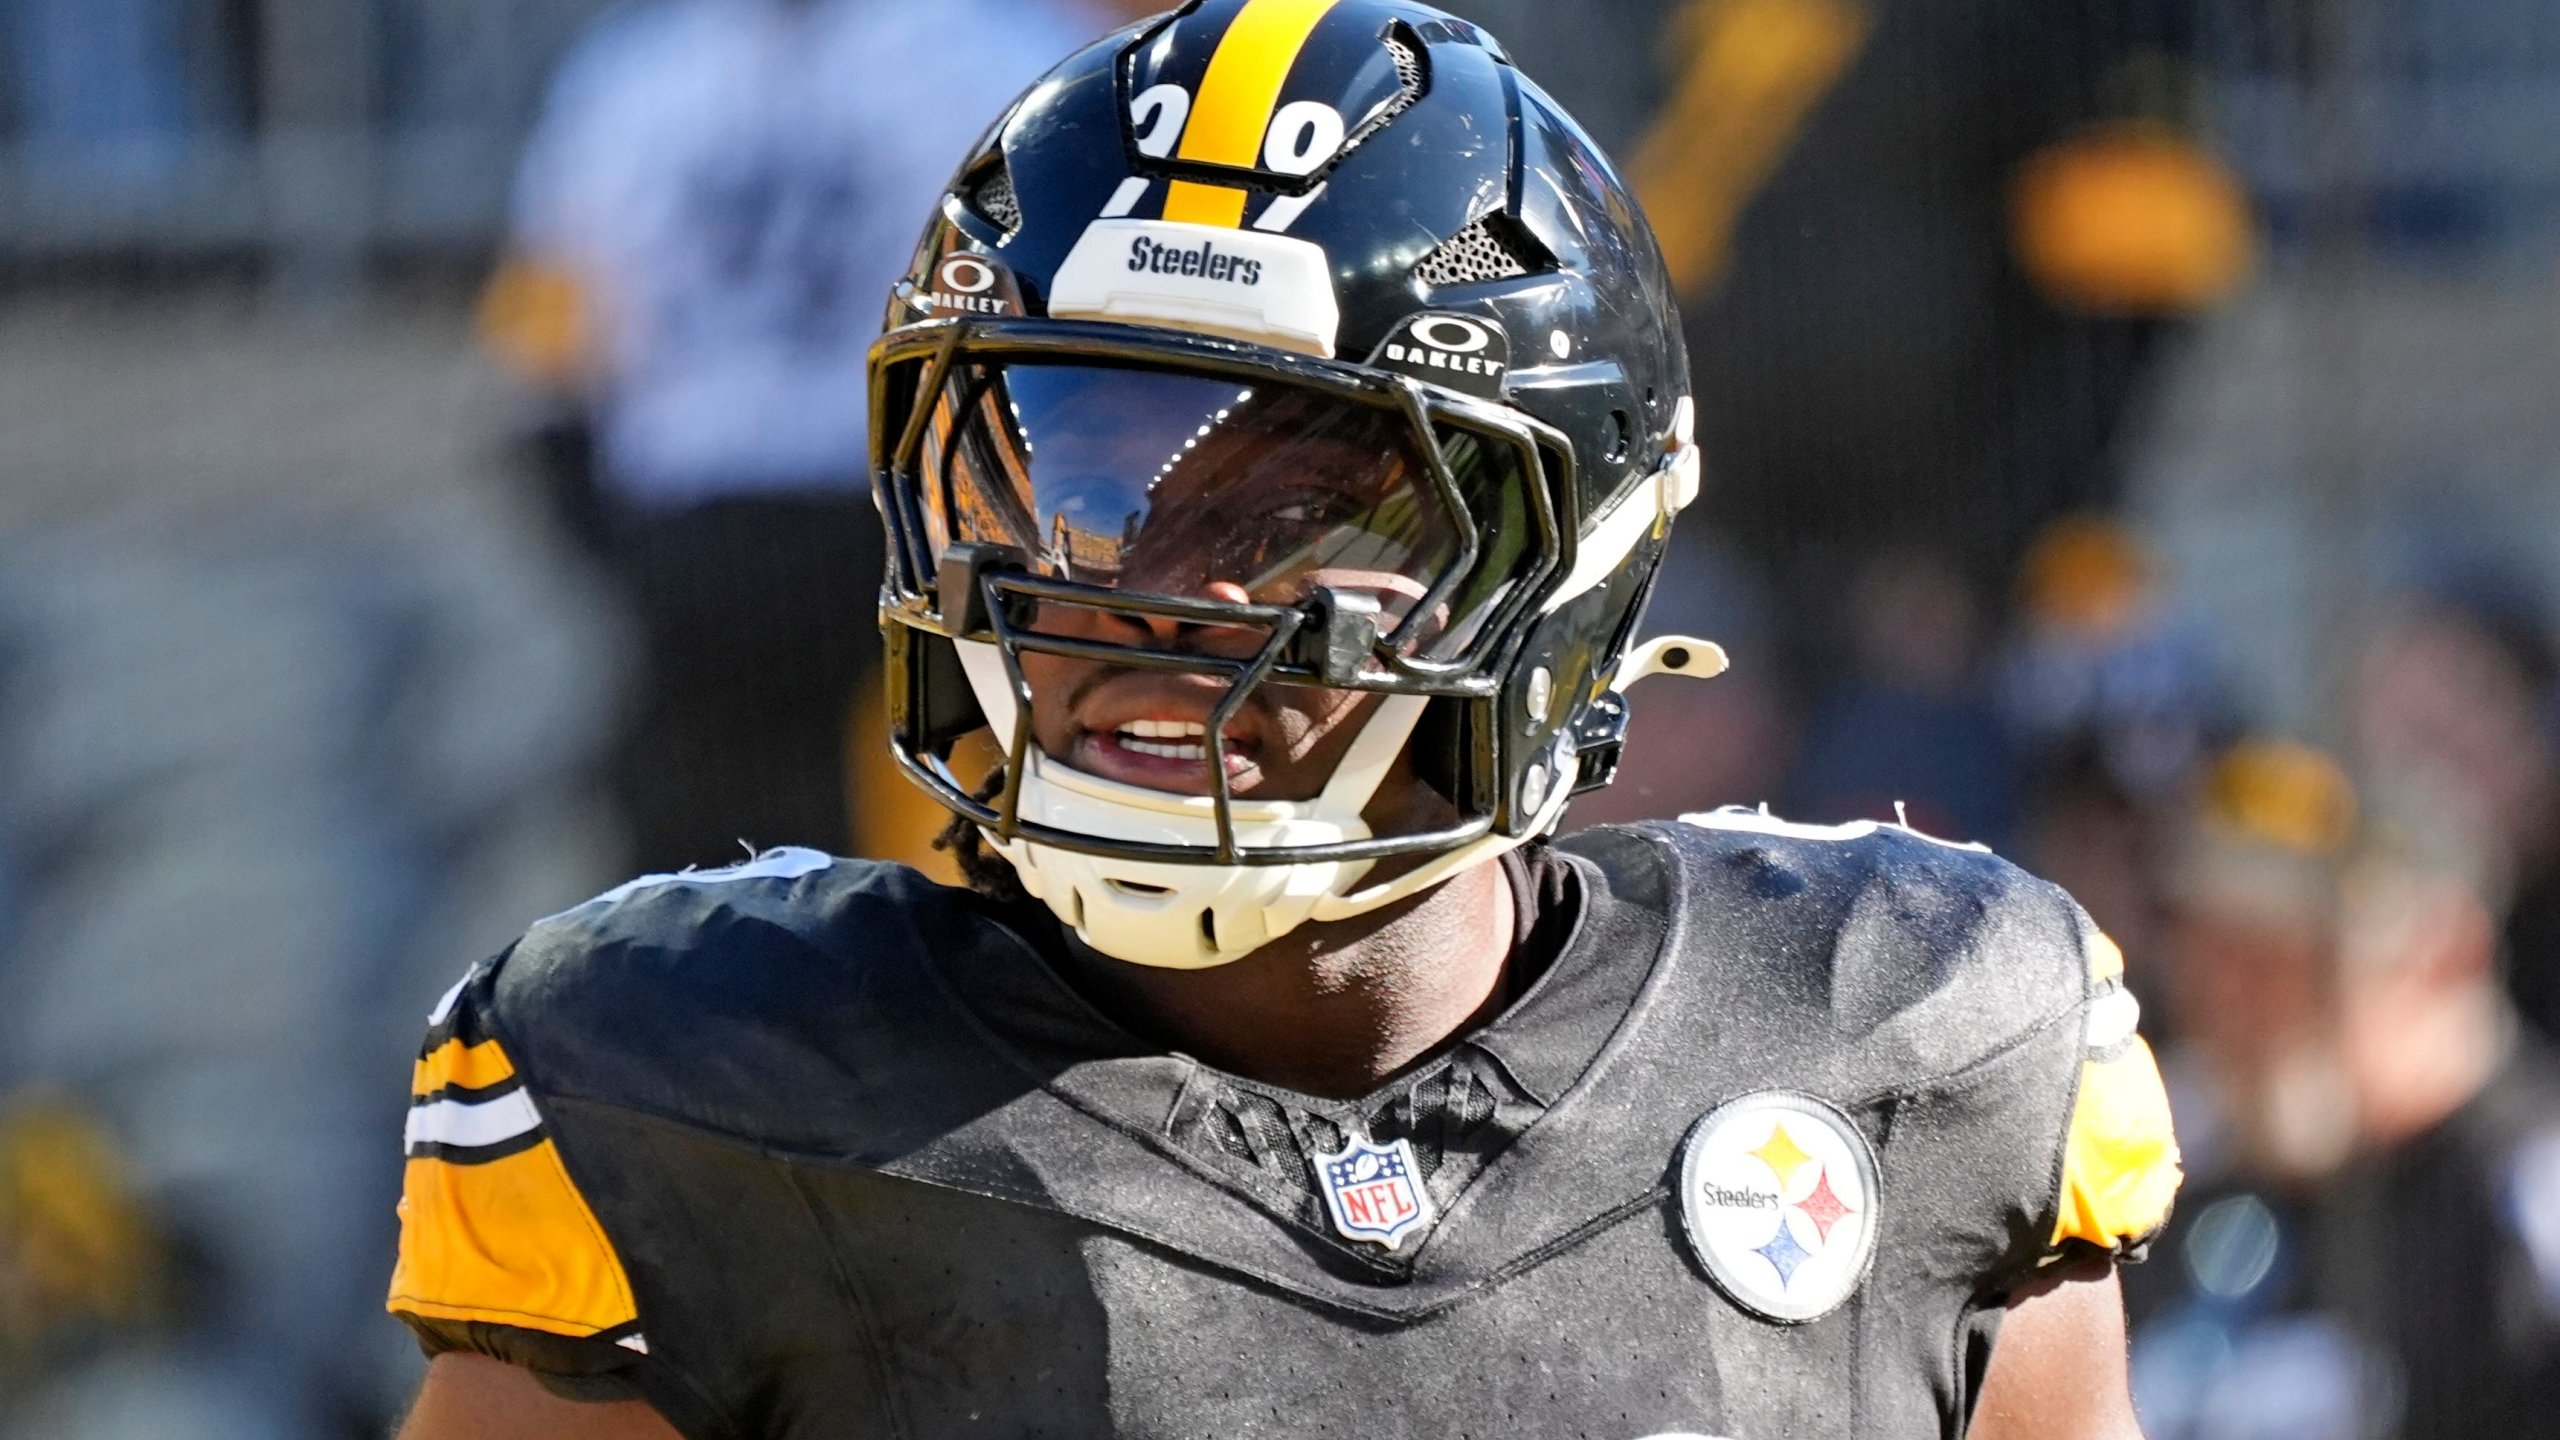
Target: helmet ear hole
{"type": "Point", "coordinates": [1621, 436]}
{"type": "Point", "coordinates": [1440, 751]}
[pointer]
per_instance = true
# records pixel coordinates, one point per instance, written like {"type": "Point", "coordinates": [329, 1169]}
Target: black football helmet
{"type": "Point", "coordinates": [1325, 301]}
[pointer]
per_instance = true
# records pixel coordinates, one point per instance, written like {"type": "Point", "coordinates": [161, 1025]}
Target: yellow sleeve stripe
{"type": "Point", "coordinates": [2106, 959]}
{"type": "Point", "coordinates": [2120, 1164]}
{"type": "Point", "coordinates": [1237, 97]}
{"type": "Point", "coordinates": [507, 1242]}
{"type": "Point", "coordinates": [456, 1066]}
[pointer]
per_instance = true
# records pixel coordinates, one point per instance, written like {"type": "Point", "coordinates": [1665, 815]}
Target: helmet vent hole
{"type": "Point", "coordinates": [991, 195]}
{"type": "Point", "coordinates": [1209, 930]}
{"type": "Point", "coordinates": [1483, 251]}
{"type": "Point", "coordinates": [1143, 892]}
{"type": "Point", "coordinates": [1413, 79]}
{"type": "Point", "coordinates": [1408, 63]}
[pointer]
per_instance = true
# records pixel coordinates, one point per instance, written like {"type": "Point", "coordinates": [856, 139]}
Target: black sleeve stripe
{"type": "Point", "coordinates": [464, 1024]}
{"type": "Point", "coordinates": [477, 1154]}
{"type": "Point", "coordinates": [534, 1350]}
{"type": "Point", "coordinates": [469, 1094]}
{"type": "Point", "coordinates": [458, 1014]}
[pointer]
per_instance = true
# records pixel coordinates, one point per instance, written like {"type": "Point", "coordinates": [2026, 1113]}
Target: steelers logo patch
{"type": "Point", "coordinates": [1778, 1195]}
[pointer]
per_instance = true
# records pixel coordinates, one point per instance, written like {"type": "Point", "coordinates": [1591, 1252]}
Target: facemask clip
{"type": "Point", "coordinates": [1341, 636]}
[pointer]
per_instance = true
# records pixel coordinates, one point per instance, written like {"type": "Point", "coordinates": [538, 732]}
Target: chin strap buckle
{"type": "Point", "coordinates": [1600, 735]}
{"type": "Point", "coordinates": [1599, 739]}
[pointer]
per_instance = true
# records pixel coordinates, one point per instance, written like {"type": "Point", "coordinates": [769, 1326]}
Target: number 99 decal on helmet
{"type": "Point", "coordinates": [1287, 533]}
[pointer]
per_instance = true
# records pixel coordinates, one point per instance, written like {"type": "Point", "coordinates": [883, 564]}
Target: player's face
{"type": "Point", "coordinates": [1191, 487]}
{"type": "Point", "coordinates": [1238, 527]}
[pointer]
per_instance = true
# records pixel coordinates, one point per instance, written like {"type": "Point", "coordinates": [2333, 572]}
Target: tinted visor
{"type": "Point", "coordinates": [1176, 484]}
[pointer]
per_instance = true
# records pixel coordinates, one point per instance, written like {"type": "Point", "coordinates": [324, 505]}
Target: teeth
{"type": "Point", "coordinates": [1162, 749]}
{"type": "Point", "coordinates": [1167, 739]}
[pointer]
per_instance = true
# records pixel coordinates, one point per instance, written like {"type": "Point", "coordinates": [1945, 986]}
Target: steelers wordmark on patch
{"type": "Point", "coordinates": [1778, 1196]}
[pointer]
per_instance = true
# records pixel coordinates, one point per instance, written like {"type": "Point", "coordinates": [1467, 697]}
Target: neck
{"type": "Point", "coordinates": [1332, 1010]}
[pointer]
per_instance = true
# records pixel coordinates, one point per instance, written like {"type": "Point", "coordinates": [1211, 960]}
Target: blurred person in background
{"type": "Point", "coordinates": [2457, 714]}
{"type": "Point", "coordinates": [707, 223]}
{"type": "Point", "coordinates": [2111, 698]}
{"type": "Point", "coordinates": [1910, 731]}
{"type": "Point", "coordinates": [2103, 657]}
{"type": "Point", "coordinates": [1926, 253]}
{"type": "Point", "coordinates": [2370, 1240]}
{"type": "Point", "coordinates": [261, 799]}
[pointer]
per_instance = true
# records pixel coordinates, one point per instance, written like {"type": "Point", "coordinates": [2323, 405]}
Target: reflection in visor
{"type": "Point", "coordinates": [1166, 484]}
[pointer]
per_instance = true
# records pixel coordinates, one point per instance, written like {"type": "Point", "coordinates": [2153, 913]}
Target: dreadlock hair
{"type": "Point", "coordinates": [986, 872]}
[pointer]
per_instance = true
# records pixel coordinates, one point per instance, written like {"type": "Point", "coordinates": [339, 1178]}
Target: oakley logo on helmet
{"type": "Point", "coordinates": [968, 274]}
{"type": "Point", "coordinates": [970, 285]}
{"type": "Point", "coordinates": [1458, 351]}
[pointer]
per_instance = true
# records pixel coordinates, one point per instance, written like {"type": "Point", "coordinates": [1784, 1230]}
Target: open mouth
{"type": "Point", "coordinates": [1168, 739]}
{"type": "Point", "coordinates": [1163, 753]}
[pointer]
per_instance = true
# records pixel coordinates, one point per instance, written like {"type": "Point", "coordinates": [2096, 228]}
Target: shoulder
{"type": "Point", "coordinates": [778, 1001]}
{"type": "Point", "coordinates": [1893, 895]}
{"type": "Point", "coordinates": [733, 919]}
{"type": "Point", "coordinates": [1860, 855]}
{"type": "Point", "coordinates": [1869, 960]}
{"type": "Point", "coordinates": [706, 994]}
{"type": "Point", "coordinates": [1932, 954]}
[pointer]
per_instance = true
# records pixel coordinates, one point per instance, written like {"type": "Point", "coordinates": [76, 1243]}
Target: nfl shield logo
{"type": "Point", "coordinates": [1374, 1191]}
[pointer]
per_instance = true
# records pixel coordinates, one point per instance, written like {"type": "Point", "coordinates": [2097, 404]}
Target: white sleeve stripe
{"type": "Point", "coordinates": [2114, 1016]}
{"type": "Point", "coordinates": [452, 997]}
{"type": "Point", "coordinates": [450, 1122]}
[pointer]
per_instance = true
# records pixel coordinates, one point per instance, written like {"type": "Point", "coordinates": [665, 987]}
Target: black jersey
{"type": "Point", "coordinates": [819, 1148]}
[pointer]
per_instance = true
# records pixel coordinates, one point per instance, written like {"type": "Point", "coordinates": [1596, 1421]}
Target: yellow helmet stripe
{"type": "Point", "coordinates": [1237, 97]}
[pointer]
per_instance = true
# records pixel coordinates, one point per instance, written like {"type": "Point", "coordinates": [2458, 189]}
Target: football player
{"type": "Point", "coordinates": [1278, 431]}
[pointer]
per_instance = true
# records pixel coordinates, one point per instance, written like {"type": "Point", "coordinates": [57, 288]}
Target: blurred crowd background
{"type": "Point", "coordinates": [431, 490]}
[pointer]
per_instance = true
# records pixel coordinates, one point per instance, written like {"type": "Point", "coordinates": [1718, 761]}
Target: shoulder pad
{"type": "Point", "coordinates": [1926, 955]}
{"type": "Point", "coordinates": [2121, 1169]}
{"type": "Point", "coordinates": [493, 1232]}
{"type": "Point", "coordinates": [763, 1000]}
